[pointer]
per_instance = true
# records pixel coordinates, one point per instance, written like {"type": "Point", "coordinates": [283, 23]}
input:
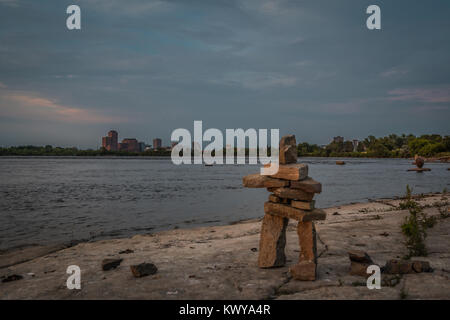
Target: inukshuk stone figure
{"type": "Point", "coordinates": [291, 197]}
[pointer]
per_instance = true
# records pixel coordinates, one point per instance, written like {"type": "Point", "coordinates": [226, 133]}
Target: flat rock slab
{"type": "Point", "coordinates": [275, 199]}
{"type": "Point", "coordinates": [295, 172]}
{"type": "Point", "coordinates": [260, 181]}
{"type": "Point", "coordinates": [218, 262]}
{"type": "Point", "coordinates": [295, 194]}
{"type": "Point", "coordinates": [286, 211]}
{"type": "Point", "coordinates": [303, 205]}
{"type": "Point", "coordinates": [307, 185]}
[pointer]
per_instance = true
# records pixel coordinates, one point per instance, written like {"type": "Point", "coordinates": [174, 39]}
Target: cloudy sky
{"type": "Point", "coordinates": [145, 68]}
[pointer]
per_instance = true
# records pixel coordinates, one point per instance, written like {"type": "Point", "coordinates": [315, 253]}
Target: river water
{"type": "Point", "coordinates": [53, 200]}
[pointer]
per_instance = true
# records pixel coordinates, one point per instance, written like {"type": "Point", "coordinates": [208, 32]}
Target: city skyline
{"type": "Point", "coordinates": [110, 142]}
{"type": "Point", "coordinates": [310, 69]}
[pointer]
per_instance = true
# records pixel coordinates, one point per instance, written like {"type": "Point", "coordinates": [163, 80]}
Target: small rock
{"type": "Point", "coordinates": [336, 213]}
{"type": "Point", "coordinates": [359, 269]}
{"type": "Point", "coordinates": [359, 256]}
{"type": "Point", "coordinates": [108, 264]}
{"type": "Point", "coordinates": [360, 261]}
{"type": "Point", "coordinates": [12, 277]}
{"type": "Point", "coordinates": [127, 251]}
{"type": "Point", "coordinates": [390, 281]}
{"type": "Point", "coordinates": [143, 269]}
{"type": "Point", "coordinates": [394, 266]}
{"type": "Point", "coordinates": [421, 266]}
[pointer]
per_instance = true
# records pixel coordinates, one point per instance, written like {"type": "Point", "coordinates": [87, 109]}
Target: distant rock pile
{"type": "Point", "coordinates": [291, 197]}
{"type": "Point", "coordinates": [419, 162]}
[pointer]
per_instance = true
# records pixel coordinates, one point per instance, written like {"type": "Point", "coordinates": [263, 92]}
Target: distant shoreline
{"type": "Point", "coordinates": [434, 147]}
{"type": "Point", "coordinates": [445, 159]}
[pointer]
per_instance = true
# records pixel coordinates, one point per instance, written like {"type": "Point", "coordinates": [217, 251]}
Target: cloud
{"type": "Point", "coordinates": [302, 63]}
{"type": "Point", "coordinates": [165, 62]}
{"type": "Point", "coordinates": [29, 105]}
{"type": "Point", "coordinates": [130, 7]}
{"type": "Point", "coordinates": [256, 80]}
{"type": "Point", "coordinates": [350, 107]}
{"type": "Point", "coordinates": [10, 3]}
{"type": "Point", "coordinates": [430, 108]}
{"type": "Point", "coordinates": [393, 72]}
{"type": "Point", "coordinates": [439, 94]}
{"type": "Point", "coordinates": [266, 7]}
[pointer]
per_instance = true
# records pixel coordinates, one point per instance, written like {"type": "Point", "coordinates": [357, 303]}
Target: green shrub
{"type": "Point", "coordinates": [414, 226]}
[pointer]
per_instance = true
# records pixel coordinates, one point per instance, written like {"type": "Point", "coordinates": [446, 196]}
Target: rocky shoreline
{"type": "Point", "coordinates": [221, 262]}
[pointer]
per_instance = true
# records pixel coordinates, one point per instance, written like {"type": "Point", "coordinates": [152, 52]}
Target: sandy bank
{"type": "Point", "coordinates": [221, 262]}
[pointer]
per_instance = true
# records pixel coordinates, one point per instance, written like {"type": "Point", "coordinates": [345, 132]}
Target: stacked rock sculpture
{"type": "Point", "coordinates": [291, 197]}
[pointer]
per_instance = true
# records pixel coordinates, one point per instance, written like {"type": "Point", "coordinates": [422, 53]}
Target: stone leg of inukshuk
{"type": "Point", "coordinates": [291, 198]}
{"type": "Point", "coordinates": [272, 242]}
{"type": "Point", "coordinates": [306, 267]}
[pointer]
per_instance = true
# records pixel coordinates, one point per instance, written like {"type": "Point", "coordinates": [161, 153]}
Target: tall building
{"type": "Point", "coordinates": [110, 141]}
{"type": "Point", "coordinates": [114, 139]}
{"type": "Point", "coordinates": [106, 143]}
{"type": "Point", "coordinates": [157, 143]}
{"type": "Point", "coordinates": [130, 145]}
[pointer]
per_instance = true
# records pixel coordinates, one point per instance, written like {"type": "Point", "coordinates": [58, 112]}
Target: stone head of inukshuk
{"type": "Point", "coordinates": [291, 197]}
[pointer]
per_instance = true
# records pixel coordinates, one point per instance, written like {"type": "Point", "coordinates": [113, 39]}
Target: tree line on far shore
{"type": "Point", "coordinates": [75, 152]}
{"type": "Point", "coordinates": [392, 146]}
